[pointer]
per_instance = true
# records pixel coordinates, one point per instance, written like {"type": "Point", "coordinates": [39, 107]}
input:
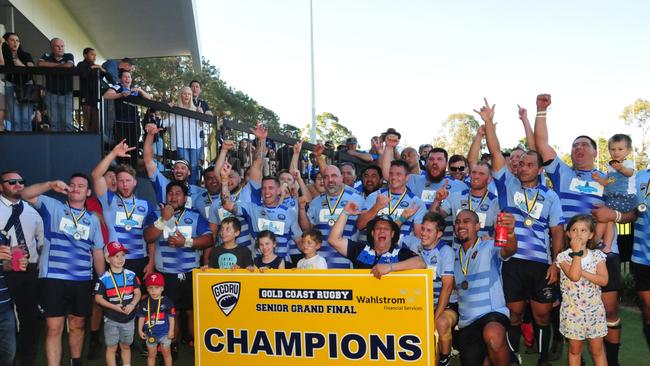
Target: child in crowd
{"type": "Point", "coordinates": [620, 192]}
{"type": "Point", "coordinates": [266, 243]}
{"type": "Point", "coordinates": [582, 315]}
{"type": "Point", "coordinates": [229, 255]}
{"type": "Point", "coordinates": [312, 239]}
{"type": "Point", "coordinates": [118, 292]}
{"type": "Point", "coordinates": [156, 320]}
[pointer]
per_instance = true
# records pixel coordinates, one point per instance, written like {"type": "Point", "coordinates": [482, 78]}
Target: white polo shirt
{"type": "Point", "coordinates": [32, 225]}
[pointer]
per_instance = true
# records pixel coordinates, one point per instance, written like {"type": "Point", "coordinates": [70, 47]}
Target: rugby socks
{"type": "Point", "coordinates": [646, 331]}
{"type": "Point", "coordinates": [445, 359]}
{"type": "Point", "coordinates": [611, 351]}
{"type": "Point", "coordinates": [543, 335]}
{"type": "Point", "coordinates": [76, 362]}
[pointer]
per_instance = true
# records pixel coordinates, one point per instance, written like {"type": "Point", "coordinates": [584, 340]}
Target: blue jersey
{"type": "Point", "coordinates": [323, 215]}
{"type": "Point", "coordinates": [426, 190]}
{"type": "Point", "coordinates": [126, 219]}
{"type": "Point", "coordinates": [118, 289]}
{"type": "Point", "coordinates": [203, 203]}
{"type": "Point", "coordinates": [159, 183]}
{"type": "Point", "coordinates": [536, 210]}
{"type": "Point", "coordinates": [486, 207]}
{"type": "Point", "coordinates": [180, 260]}
{"type": "Point", "coordinates": [579, 193]}
{"type": "Point", "coordinates": [281, 220]}
{"type": "Point", "coordinates": [67, 252]}
{"type": "Point", "coordinates": [397, 204]}
{"type": "Point", "coordinates": [218, 213]}
{"type": "Point", "coordinates": [156, 323]}
{"type": "Point", "coordinates": [484, 291]}
{"type": "Point", "coordinates": [440, 257]}
{"type": "Point", "coordinates": [641, 248]}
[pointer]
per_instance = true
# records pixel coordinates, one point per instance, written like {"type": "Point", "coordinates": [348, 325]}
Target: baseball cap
{"type": "Point", "coordinates": [115, 247]}
{"type": "Point", "coordinates": [351, 141]}
{"type": "Point", "coordinates": [155, 279]}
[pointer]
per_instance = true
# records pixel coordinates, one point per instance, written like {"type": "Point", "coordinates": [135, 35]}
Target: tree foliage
{"type": "Point", "coordinates": [328, 128]}
{"type": "Point", "coordinates": [164, 77]}
{"type": "Point", "coordinates": [457, 133]}
{"type": "Point", "coordinates": [638, 115]}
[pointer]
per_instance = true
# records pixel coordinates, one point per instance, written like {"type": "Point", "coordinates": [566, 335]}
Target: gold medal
{"type": "Point", "coordinates": [151, 340]}
{"type": "Point", "coordinates": [464, 285]}
{"type": "Point", "coordinates": [528, 222]}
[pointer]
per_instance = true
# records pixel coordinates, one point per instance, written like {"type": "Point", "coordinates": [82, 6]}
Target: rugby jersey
{"type": "Point", "coordinates": [160, 182]}
{"type": "Point", "coordinates": [397, 204]}
{"type": "Point", "coordinates": [174, 260]}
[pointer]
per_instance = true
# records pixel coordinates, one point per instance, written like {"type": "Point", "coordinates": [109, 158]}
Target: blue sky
{"type": "Point", "coordinates": [410, 64]}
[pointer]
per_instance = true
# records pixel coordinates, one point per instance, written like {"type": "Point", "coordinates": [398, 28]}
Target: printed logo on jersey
{"type": "Point", "coordinates": [226, 294]}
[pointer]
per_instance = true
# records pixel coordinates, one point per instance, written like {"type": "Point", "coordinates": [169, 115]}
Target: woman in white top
{"type": "Point", "coordinates": [186, 133]}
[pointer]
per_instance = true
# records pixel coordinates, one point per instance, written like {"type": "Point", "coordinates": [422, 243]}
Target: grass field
{"type": "Point", "coordinates": [634, 350]}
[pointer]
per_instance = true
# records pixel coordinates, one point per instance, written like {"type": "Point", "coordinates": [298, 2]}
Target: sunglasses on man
{"type": "Point", "coordinates": [457, 168]}
{"type": "Point", "coordinates": [13, 182]}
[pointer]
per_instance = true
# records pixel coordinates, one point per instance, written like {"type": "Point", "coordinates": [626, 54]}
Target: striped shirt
{"type": "Point", "coordinates": [536, 210]}
{"type": "Point", "coordinates": [641, 247]}
{"type": "Point", "coordinates": [426, 190]}
{"type": "Point", "coordinates": [180, 260]}
{"type": "Point", "coordinates": [578, 191]}
{"type": "Point", "coordinates": [126, 219]}
{"type": "Point", "coordinates": [486, 207]}
{"type": "Point", "coordinates": [63, 257]}
{"type": "Point", "coordinates": [440, 257]}
{"type": "Point", "coordinates": [160, 182]}
{"type": "Point", "coordinates": [218, 213]}
{"type": "Point", "coordinates": [323, 215]}
{"type": "Point", "coordinates": [397, 204]}
{"type": "Point", "coordinates": [484, 292]}
{"type": "Point", "coordinates": [119, 292]}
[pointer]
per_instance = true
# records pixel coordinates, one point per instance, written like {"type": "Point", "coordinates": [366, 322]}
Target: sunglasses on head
{"type": "Point", "coordinates": [457, 168]}
{"type": "Point", "coordinates": [13, 182]}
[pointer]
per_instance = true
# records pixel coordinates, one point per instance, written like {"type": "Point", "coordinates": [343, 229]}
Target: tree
{"type": "Point", "coordinates": [603, 158]}
{"type": "Point", "coordinates": [638, 114]}
{"type": "Point", "coordinates": [165, 76]}
{"type": "Point", "coordinates": [457, 133]}
{"type": "Point", "coordinates": [295, 131]}
{"type": "Point", "coordinates": [328, 128]}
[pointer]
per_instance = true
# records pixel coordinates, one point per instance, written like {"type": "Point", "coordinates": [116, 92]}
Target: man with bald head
{"type": "Point", "coordinates": [411, 156]}
{"type": "Point", "coordinates": [325, 209]}
{"type": "Point", "coordinates": [59, 87]}
{"type": "Point", "coordinates": [580, 193]}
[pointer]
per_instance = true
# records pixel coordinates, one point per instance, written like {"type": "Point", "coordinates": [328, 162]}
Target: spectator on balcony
{"type": "Point", "coordinates": [127, 116]}
{"type": "Point", "coordinates": [113, 68]}
{"type": "Point", "coordinates": [58, 97]}
{"type": "Point", "coordinates": [200, 104]}
{"type": "Point", "coordinates": [285, 153]}
{"type": "Point", "coordinates": [89, 75]}
{"type": "Point", "coordinates": [186, 133]}
{"type": "Point", "coordinates": [153, 116]}
{"type": "Point", "coordinates": [351, 148]}
{"type": "Point", "coordinates": [245, 154]}
{"type": "Point", "coordinates": [19, 111]}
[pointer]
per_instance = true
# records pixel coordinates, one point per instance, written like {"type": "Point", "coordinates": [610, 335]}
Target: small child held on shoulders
{"type": "Point", "coordinates": [118, 292]}
{"type": "Point", "coordinates": [156, 317]}
{"type": "Point", "coordinates": [230, 255]}
{"type": "Point", "coordinates": [267, 259]}
{"type": "Point", "coordinates": [312, 240]}
{"type": "Point", "coordinates": [620, 192]}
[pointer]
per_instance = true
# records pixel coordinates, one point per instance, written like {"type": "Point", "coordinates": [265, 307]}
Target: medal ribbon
{"type": "Point", "coordinates": [463, 267]}
{"type": "Point", "coordinates": [530, 206]}
{"type": "Point", "coordinates": [128, 213]}
{"type": "Point", "coordinates": [391, 208]}
{"type": "Point", "coordinates": [149, 323]}
{"type": "Point", "coordinates": [180, 217]}
{"type": "Point", "coordinates": [647, 187]}
{"type": "Point", "coordinates": [75, 218]}
{"type": "Point", "coordinates": [117, 289]}
{"type": "Point", "coordinates": [469, 201]}
{"type": "Point", "coordinates": [338, 200]}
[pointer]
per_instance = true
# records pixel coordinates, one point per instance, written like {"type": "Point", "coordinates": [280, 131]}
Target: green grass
{"type": "Point", "coordinates": [634, 350]}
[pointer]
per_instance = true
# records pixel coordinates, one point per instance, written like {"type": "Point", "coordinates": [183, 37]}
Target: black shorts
{"type": "Point", "coordinates": [526, 280]}
{"type": "Point", "coordinates": [63, 297]}
{"type": "Point", "coordinates": [613, 264]}
{"type": "Point", "coordinates": [641, 275]}
{"type": "Point", "coordinates": [178, 288]}
{"type": "Point", "coordinates": [471, 345]}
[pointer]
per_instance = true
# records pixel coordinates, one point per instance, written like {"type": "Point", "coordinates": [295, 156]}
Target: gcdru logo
{"type": "Point", "coordinates": [226, 294]}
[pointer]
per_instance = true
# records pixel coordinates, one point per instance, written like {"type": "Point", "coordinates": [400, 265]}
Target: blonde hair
{"type": "Point", "coordinates": [179, 102]}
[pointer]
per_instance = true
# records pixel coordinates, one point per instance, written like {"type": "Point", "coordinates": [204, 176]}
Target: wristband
{"type": "Point", "coordinates": [189, 243]}
{"type": "Point", "coordinates": [160, 224]}
{"type": "Point", "coordinates": [618, 216]}
{"type": "Point", "coordinates": [576, 254]}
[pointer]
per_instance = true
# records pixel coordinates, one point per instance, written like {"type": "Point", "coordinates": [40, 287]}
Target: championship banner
{"type": "Point", "coordinates": [297, 317]}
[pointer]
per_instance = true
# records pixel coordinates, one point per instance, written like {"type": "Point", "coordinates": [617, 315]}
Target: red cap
{"type": "Point", "coordinates": [155, 279]}
{"type": "Point", "coordinates": [115, 247]}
